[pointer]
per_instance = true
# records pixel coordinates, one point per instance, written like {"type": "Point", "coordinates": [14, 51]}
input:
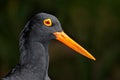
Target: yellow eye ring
{"type": "Point", "coordinates": [47, 22]}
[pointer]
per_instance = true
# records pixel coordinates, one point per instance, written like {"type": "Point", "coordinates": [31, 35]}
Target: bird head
{"type": "Point", "coordinates": [46, 27]}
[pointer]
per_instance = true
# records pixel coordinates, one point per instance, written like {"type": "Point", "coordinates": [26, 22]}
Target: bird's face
{"type": "Point", "coordinates": [48, 27]}
{"type": "Point", "coordinates": [47, 23]}
{"type": "Point", "coordinates": [44, 25]}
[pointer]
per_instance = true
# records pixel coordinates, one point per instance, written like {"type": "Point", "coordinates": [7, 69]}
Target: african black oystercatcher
{"type": "Point", "coordinates": [34, 40]}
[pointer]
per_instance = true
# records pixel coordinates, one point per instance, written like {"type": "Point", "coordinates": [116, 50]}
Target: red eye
{"type": "Point", "coordinates": [47, 22]}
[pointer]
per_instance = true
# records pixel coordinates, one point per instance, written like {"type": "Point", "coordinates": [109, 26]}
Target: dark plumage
{"type": "Point", "coordinates": [34, 41]}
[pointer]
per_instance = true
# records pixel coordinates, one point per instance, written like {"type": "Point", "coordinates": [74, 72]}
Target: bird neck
{"type": "Point", "coordinates": [33, 52]}
{"type": "Point", "coordinates": [35, 58]}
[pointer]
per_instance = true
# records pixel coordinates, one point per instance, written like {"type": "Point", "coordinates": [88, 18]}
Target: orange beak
{"type": "Point", "coordinates": [64, 38]}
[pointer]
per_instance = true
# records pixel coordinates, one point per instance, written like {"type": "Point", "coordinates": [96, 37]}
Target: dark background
{"type": "Point", "coordinates": [95, 24]}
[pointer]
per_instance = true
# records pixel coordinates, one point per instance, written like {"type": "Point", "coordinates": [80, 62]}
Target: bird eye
{"type": "Point", "coordinates": [47, 22]}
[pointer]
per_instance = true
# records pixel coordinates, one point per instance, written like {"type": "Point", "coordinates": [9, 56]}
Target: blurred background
{"type": "Point", "coordinates": [95, 24]}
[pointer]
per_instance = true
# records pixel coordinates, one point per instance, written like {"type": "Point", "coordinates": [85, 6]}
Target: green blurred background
{"type": "Point", "coordinates": [95, 24]}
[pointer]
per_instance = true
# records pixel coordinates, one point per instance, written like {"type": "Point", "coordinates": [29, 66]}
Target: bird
{"type": "Point", "coordinates": [33, 45]}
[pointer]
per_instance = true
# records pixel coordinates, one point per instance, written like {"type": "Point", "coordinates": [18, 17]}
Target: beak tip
{"type": "Point", "coordinates": [94, 59]}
